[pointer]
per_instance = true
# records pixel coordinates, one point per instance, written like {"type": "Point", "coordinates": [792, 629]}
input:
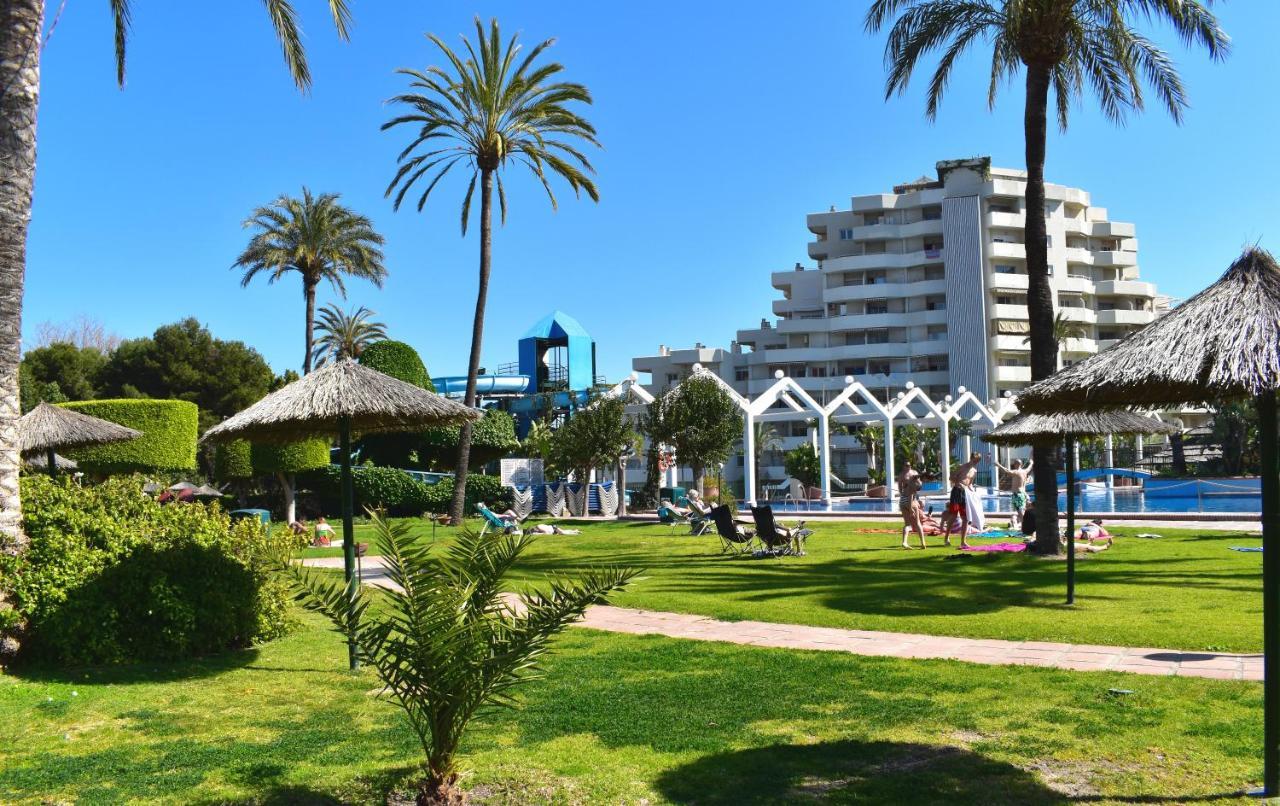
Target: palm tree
{"type": "Point", "coordinates": [1064, 45]}
{"type": "Point", "coordinates": [319, 239]}
{"type": "Point", "coordinates": [21, 40]}
{"type": "Point", "coordinates": [446, 641]}
{"type": "Point", "coordinates": [1063, 329]}
{"type": "Point", "coordinates": [489, 111]}
{"type": "Point", "coordinates": [344, 335]}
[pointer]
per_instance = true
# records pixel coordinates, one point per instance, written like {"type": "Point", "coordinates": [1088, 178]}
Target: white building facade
{"type": "Point", "coordinates": [928, 284]}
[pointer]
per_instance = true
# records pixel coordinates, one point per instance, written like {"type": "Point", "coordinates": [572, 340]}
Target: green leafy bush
{"type": "Point", "coordinates": [399, 360]}
{"type": "Point", "coordinates": [111, 576]}
{"type": "Point", "coordinates": [492, 437]}
{"type": "Point", "coordinates": [802, 463]}
{"type": "Point", "coordinates": [240, 459]}
{"type": "Point", "coordinates": [168, 440]}
{"type": "Point", "coordinates": [402, 495]}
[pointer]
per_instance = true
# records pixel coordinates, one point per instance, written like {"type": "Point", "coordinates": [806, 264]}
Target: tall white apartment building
{"type": "Point", "coordinates": [929, 284]}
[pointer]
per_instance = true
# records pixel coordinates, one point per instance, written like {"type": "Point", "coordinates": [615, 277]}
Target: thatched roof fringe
{"type": "Point", "coordinates": [47, 426]}
{"type": "Point", "coordinates": [314, 405]}
{"type": "Point", "coordinates": [1221, 344]}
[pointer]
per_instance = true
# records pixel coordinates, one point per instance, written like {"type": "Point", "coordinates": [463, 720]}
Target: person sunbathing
{"type": "Point", "coordinates": [1091, 539]}
{"type": "Point", "coordinates": [551, 529]}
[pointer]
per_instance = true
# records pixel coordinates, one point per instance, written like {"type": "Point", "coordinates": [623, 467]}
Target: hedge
{"type": "Point", "coordinates": [399, 360]}
{"type": "Point", "coordinates": [112, 576]}
{"type": "Point", "coordinates": [492, 437]}
{"type": "Point", "coordinates": [402, 495]}
{"type": "Point", "coordinates": [168, 441]}
{"type": "Point", "coordinates": [239, 459]}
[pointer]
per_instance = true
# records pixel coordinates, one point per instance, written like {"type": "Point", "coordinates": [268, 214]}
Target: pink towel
{"type": "Point", "coordinates": [997, 547]}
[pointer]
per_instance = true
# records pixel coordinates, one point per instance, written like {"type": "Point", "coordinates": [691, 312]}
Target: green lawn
{"type": "Point", "coordinates": [628, 719]}
{"type": "Point", "coordinates": [1184, 591]}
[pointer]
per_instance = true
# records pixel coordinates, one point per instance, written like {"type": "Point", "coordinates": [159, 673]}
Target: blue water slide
{"type": "Point", "coordinates": [456, 385]}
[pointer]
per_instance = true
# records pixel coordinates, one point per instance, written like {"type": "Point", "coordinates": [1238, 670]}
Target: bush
{"type": "Point", "coordinates": [492, 437]}
{"type": "Point", "coordinates": [290, 457]}
{"type": "Point", "coordinates": [402, 495]}
{"type": "Point", "coordinates": [399, 360]}
{"type": "Point", "coordinates": [168, 440]}
{"type": "Point", "coordinates": [111, 576]}
{"type": "Point", "coordinates": [232, 461]}
{"type": "Point", "coordinates": [802, 463]}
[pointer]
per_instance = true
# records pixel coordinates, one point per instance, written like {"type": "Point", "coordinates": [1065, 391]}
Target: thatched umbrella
{"type": "Point", "coordinates": [40, 461]}
{"type": "Point", "coordinates": [1221, 344]}
{"type": "Point", "coordinates": [342, 398]}
{"type": "Point", "coordinates": [47, 428]}
{"type": "Point", "coordinates": [1033, 429]}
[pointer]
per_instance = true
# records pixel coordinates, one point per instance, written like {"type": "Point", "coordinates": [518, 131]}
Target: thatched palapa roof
{"type": "Point", "coordinates": [40, 461]}
{"type": "Point", "coordinates": [315, 406]}
{"type": "Point", "coordinates": [1222, 343]}
{"type": "Point", "coordinates": [49, 427]}
{"type": "Point", "coordinates": [1027, 429]}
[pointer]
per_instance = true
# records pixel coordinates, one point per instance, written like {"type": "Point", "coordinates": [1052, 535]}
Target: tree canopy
{"type": "Point", "coordinates": [698, 419]}
{"type": "Point", "coordinates": [596, 436]}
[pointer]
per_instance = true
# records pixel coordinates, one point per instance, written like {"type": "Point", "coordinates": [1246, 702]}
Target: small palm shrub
{"type": "Point", "coordinates": [448, 642]}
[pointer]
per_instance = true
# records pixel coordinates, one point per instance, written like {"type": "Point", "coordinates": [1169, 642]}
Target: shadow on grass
{"type": "Point", "coordinates": [853, 772]}
{"type": "Point", "coordinates": [42, 671]}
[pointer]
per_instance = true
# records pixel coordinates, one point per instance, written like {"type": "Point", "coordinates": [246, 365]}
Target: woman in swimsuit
{"type": "Point", "coordinates": [909, 484]}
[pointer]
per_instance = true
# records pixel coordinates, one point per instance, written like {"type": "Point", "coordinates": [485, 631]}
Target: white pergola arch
{"type": "Point", "coordinates": [787, 400]}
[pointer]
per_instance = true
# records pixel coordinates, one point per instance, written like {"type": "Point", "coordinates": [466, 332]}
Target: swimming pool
{"type": "Point", "coordinates": [1091, 499]}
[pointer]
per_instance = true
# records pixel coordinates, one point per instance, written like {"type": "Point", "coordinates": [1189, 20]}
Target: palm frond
{"type": "Point", "coordinates": [122, 18]}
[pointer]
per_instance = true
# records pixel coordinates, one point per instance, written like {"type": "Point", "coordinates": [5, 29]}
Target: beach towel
{"type": "Point", "coordinates": [974, 506]}
{"type": "Point", "coordinates": [1147, 535]}
{"type": "Point", "coordinates": [1245, 548]}
{"type": "Point", "coordinates": [1009, 547]}
{"type": "Point", "coordinates": [998, 533]}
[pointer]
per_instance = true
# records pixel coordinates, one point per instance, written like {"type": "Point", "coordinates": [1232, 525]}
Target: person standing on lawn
{"type": "Point", "coordinates": [958, 505]}
{"type": "Point", "coordinates": [1018, 485]}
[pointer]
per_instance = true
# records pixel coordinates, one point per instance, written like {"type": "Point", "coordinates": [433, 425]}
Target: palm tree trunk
{"type": "Point", "coordinates": [309, 291]}
{"type": "Point", "coordinates": [21, 22]}
{"type": "Point", "coordinates": [477, 338]}
{"type": "Point", "coordinates": [1044, 349]}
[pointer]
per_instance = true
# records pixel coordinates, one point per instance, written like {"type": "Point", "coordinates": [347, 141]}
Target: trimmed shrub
{"type": "Point", "coordinates": [402, 495]}
{"type": "Point", "coordinates": [111, 576]}
{"type": "Point", "coordinates": [232, 461]}
{"type": "Point", "coordinates": [290, 457]}
{"type": "Point", "coordinates": [399, 360]}
{"type": "Point", "coordinates": [492, 437]}
{"type": "Point", "coordinates": [168, 440]}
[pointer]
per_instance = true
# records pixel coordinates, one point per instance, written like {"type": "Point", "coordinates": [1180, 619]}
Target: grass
{"type": "Point", "coordinates": [630, 719]}
{"type": "Point", "coordinates": [1183, 591]}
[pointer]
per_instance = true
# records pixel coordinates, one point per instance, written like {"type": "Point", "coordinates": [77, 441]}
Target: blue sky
{"type": "Point", "coordinates": [723, 125]}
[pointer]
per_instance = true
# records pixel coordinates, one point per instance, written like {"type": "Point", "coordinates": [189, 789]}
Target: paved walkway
{"type": "Point", "coordinates": [1079, 657]}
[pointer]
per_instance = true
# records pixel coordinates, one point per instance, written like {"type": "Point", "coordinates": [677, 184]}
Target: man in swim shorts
{"type": "Point", "coordinates": [1018, 485]}
{"type": "Point", "coordinates": [957, 507]}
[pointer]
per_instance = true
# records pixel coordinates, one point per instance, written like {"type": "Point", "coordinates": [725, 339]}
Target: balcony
{"type": "Point", "coordinates": [863, 321]}
{"type": "Point", "coordinates": [1122, 317]}
{"type": "Point", "coordinates": [884, 260]}
{"type": "Point", "coordinates": [996, 249]}
{"type": "Point", "coordinates": [879, 232]}
{"type": "Point", "coordinates": [1013, 374]}
{"type": "Point", "coordinates": [1130, 288]}
{"type": "Point", "coordinates": [1010, 343]}
{"type": "Point", "coordinates": [1079, 346]}
{"type": "Point", "coordinates": [819, 250]}
{"type": "Point", "coordinates": [1005, 220]}
{"type": "Point", "coordinates": [1115, 258]}
{"type": "Point", "coordinates": [1074, 283]}
{"type": "Point", "coordinates": [1009, 311]}
{"type": "Point", "coordinates": [1010, 282]}
{"type": "Point", "coordinates": [851, 293]}
{"type": "Point", "coordinates": [1084, 316]}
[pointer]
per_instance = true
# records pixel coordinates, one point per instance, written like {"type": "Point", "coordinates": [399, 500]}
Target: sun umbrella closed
{"type": "Point", "coordinates": [340, 399]}
{"type": "Point", "coordinates": [1033, 429]}
{"type": "Point", "coordinates": [1221, 344]}
{"type": "Point", "coordinates": [47, 428]}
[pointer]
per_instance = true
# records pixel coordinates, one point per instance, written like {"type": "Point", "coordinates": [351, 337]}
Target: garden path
{"type": "Point", "coordinates": [1078, 657]}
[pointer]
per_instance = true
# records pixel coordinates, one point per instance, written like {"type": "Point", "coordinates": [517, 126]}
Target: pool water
{"type": "Point", "coordinates": [1089, 500]}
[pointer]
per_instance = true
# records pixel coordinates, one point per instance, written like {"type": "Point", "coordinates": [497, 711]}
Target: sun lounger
{"type": "Point", "coordinates": [778, 539]}
{"type": "Point", "coordinates": [499, 525]}
{"type": "Point", "coordinates": [733, 538]}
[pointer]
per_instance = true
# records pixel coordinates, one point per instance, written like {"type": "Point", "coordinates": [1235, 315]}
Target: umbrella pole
{"type": "Point", "coordinates": [1265, 404]}
{"type": "Point", "coordinates": [1071, 520]}
{"type": "Point", "coordinates": [53, 466]}
{"type": "Point", "coordinates": [348, 531]}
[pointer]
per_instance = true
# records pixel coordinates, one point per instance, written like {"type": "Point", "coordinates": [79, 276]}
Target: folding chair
{"type": "Point", "coordinates": [778, 540]}
{"type": "Point", "coordinates": [733, 538]}
{"type": "Point", "coordinates": [492, 521]}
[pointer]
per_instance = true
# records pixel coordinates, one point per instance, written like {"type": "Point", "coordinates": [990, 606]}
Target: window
{"type": "Point", "coordinates": [877, 337]}
{"type": "Point", "coordinates": [877, 307]}
{"type": "Point", "coordinates": [740, 374]}
{"type": "Point", "coordinates": [1006, 269]}
{"type": "Point", "coordinates": [846, 234]}
{"type": "Point", "coordinates": [1004, 301]}
{"type": "Point", "coordinates": [932, 213]}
